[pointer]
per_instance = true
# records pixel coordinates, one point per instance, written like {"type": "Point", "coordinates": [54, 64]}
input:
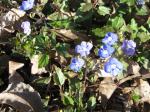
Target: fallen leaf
{"type": "Point", "coordinates": [133, 68]}
{"type": "Point", "coordinates": [70, 35]}
{"type": "Point", "coordinates": [8, 22]}
{"type": "Point", "coordinates": [22, 97]}
{"type": "Point", "coordinates": [106, 89]}
{"type": "Point", "coordinates": [144, 90]}
{"type": "Point", "coordinates": [13, 66]}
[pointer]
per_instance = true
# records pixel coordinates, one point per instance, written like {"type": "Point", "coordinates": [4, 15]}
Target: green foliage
{"type": "Point", "coordinates": [136, 97]}
{"type": "Point", "coordinates": [86, 7]}
{"type": "Point", "coordinates": [43, 61]}
{"type": "Point", "coordinates": [102, 10]}
{"type": "Point", "coordinates": [44, 80]}
{"type": "Point", "coordinates": [59, 76]}
{"type": "Point", "coordinates": [117, 22]}
{"type": "Point", "coordinates": [91, 19]}
{"type": "Point", "coordinates": [91, 102]}
{"type": "Point", "coordinates": [67, 100]}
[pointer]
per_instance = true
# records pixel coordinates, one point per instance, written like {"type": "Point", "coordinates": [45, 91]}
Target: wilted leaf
{"type": "Point", "coordinates": [7, 22]}
{"type": "Point", "coordinates": [144, 90]}
{"type": "Point", "coordinates": [106, 89]}
{"type": "Point", "coordinates": [13, 66]}
{"type": "Point", "coordinates": [69, 35]}
{"type": "Point", "coordinates": [133, 68]}
{"type": "Point", "coordinates": [22, 97]}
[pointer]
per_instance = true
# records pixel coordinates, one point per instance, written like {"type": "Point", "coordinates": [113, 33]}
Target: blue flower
{"type": "Point", "coordinates": [105, 51]}
{"type": "Point", "coordinates": [27, 5]}
{"type": "Point", "coordinates": [76, 64]}
{"type": "Point", "coordinates": [84, 48]}
{"type": "Point", "coordinates": [128, 47]}
{"type": "Point", "coordinates": [113, 66]}
{"type": "Point", "coordinates": [26, 27]}
{"type": "Point", "coordinates": [140, 2]}
{"type": "Point", "coordinates": [110, 38]}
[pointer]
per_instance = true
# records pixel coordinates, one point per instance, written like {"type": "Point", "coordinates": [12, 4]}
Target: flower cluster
{"type": "Point", "coordinates": [27, 5]}
{"type": "Point", "coordinates": [26, 27]}
{"type": "Point", "coordinates": [106, 50]}
{"type": "Point", "coordinates": [84, 50]}
{"type": "Point", "coordinates": [112, 66]}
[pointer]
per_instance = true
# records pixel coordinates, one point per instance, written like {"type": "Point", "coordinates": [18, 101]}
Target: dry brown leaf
{"type": "Point", "coordinates": [7, 22]}
{"type": "Point", "coordinates": [127, 90]}
{"type": "Point", "coordinates": [106, 89]}
{"type": "Point", "coordinates": [24, 96]}
{"type": "Point", "coordinates": [15, 101]}
{"type": "Point", "coordinates": [133, 68]}
{"type": "Point", "coordinates": [13, 66]}
{"type": "Point", "coordinates": [70, 35]}
{"type": "Point", "coordinates": [144, 90]}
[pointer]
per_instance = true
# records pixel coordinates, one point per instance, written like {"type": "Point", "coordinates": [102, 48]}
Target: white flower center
{"type": "Point", "coordinates": [105, 52]}
{"type": "Point", "coordinates": [109, 39]}
{"type": "Point", "coordinates": [113, 66]}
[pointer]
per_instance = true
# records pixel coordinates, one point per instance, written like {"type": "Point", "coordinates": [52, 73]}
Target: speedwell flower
{"type": "Point", "coordinates": [26, 27]}
{"type": "Point", "coordinates": [27, 5]}
{"type": "Point", "coordinates": [128, 47]}
{"type": "Point", "coordinates": [113, 66]}
{"type": "Point", "coordinates": [140, 2]}
{"type": "Point", "coordinates": [76, 64]}
{"type": "Point", "coordinates": [84, 48]}
{"type": "Point", "coordinates": [110, 38]}
{"type": "Point", "coordinates": [105, 51]}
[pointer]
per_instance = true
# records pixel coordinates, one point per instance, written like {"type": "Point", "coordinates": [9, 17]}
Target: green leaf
{"type": "Point", "coordinates": [60, 24]}
{"type": "Point", "coordinates": [67, 100]}
{"type": "Point", "coordinates": [43, 60]}
{"type": "Point", "coordinates": [45, 101]}
{"type": "Point", "coordinates": [102, 10]}
{"type": "Point", "coordinates": [44, 80]}
{"type": "Point", "coordinates": [143, 11]}
{"type": "Point", "coordinates": [86, 7]}
{"type": "Point", "coordinates": [148, 22]}
{"type": "Point", "coordinates": [54, 16]}
{"type": "Point", "coordinates": [133, 25]}
{"type": "Point", "coordinates": [91, 102]}
{"type": "Point", "coordinates": [117, 22]}
{"type": "Point", "coordinates": [101, 32]}
{"type": "Point", "coordinates": [143, 36]}
{"type": "Point", "coordinates": [129, 2]}
{"type": "Point", "coordinates": [59, 76]}
{"type": "Point", "coordinates": [136, 97]}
